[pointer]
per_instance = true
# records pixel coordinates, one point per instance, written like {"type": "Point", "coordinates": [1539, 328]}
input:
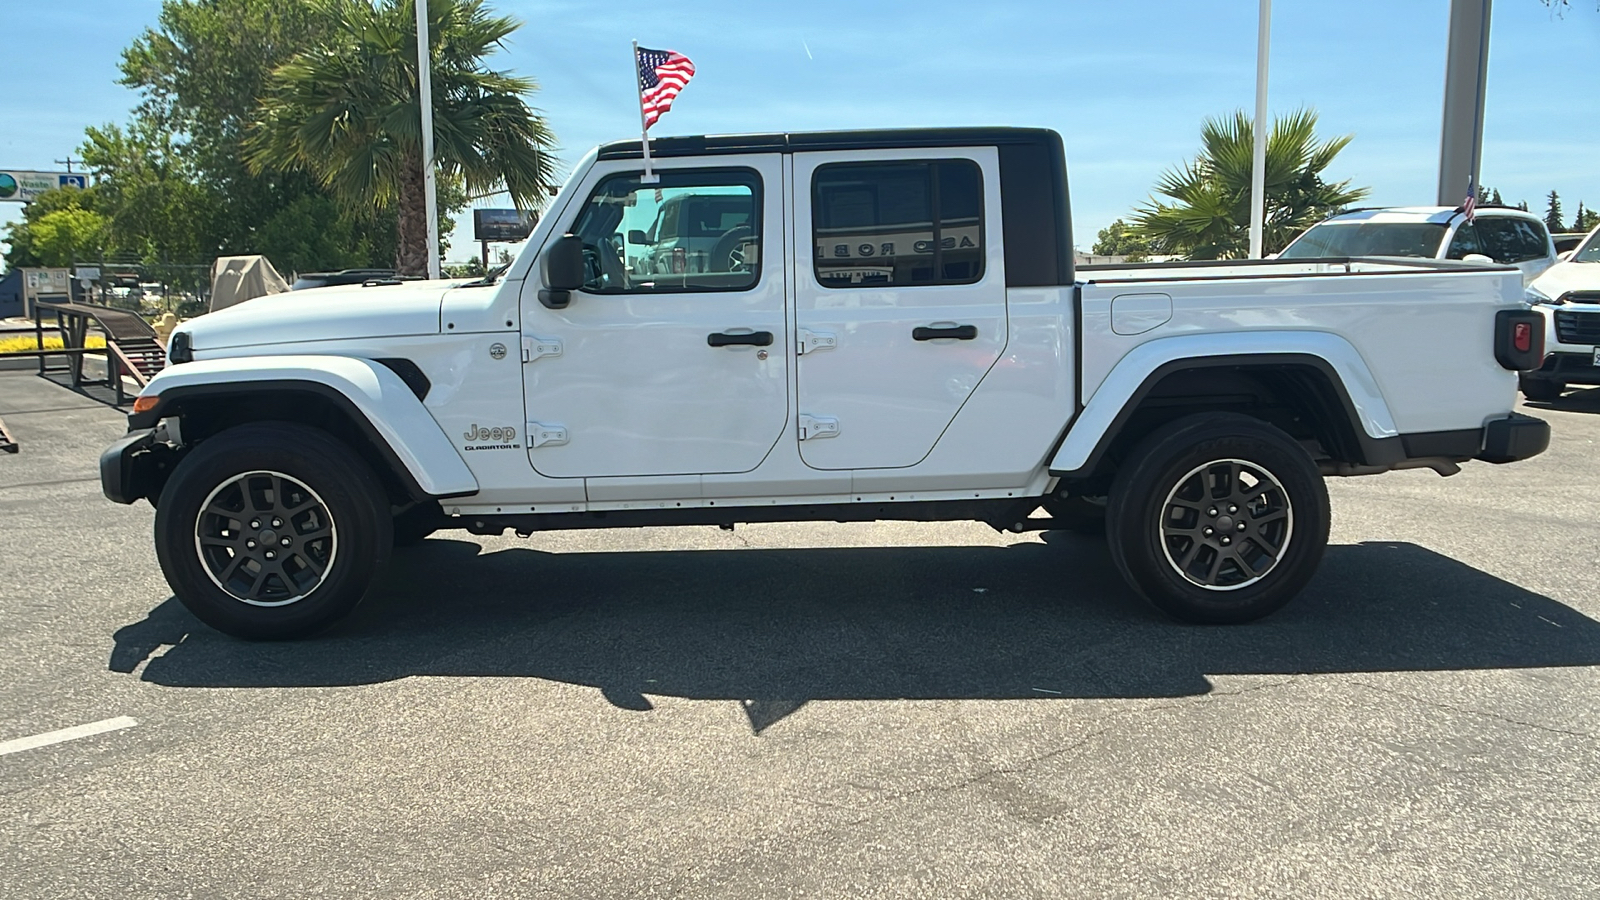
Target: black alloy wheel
{"type": "Point", "coordinates": [265, 538]}
{"type": "Point", "coordinates": [1217, 518]}
{"type": "Point", "coordinates": [272, 530]}
{"type": "Point", "coordinates": [1227, 524]}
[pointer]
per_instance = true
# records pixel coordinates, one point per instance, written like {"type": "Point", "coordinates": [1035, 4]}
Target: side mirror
{"type": "Point", "coordinates": [1477, 259]}
{"type": "Point", "coordinates": [636, 236]}
{"type": "Point", "coordinates": [563, 271]}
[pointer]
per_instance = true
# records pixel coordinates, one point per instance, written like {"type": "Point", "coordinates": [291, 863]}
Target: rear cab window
{"type": "Point", "coordinates": [895, 224]}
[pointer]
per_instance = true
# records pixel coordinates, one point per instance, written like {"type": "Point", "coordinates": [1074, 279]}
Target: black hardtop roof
{"type": "Point", "coordinates": [872, 139]}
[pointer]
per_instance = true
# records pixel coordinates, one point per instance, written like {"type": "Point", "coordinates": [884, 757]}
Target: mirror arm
{"type": "Point", "coordinates": [553, 299]}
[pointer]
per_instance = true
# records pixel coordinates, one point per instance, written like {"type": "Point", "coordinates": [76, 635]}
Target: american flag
{"type": "Point", "coordinates": [662, 74]}
{"type": "Point", "coordinates": [1471, 206]}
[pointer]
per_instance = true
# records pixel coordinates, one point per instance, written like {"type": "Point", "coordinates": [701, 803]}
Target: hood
{"type": "Point", "coordinates": [1568, 276]}
{"type": "Point", "coordinates": [322, 314]}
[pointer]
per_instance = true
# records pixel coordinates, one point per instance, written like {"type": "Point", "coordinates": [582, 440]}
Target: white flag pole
{"type": "Point", "coordinates": [1258, 161]}
{"type": "Point", "coordinates": [650, 177]}
{"type": "Point", "coordinates": [430, 187]}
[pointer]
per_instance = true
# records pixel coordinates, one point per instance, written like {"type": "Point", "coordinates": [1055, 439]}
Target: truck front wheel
{"type": "Point", "coordinates": [1218, 518]}
{"type": "Point", "coordinates": [272, 530]}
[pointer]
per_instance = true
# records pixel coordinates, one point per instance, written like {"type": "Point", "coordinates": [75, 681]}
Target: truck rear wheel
{"type": "Point", "coordinates": [1218, 518]}
{"type": "Point", "coordinates": [272, 530]}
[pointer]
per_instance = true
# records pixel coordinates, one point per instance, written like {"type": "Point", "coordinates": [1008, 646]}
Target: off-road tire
{"type": "Point", "coordinates": [1174, 475]}
{"type": "Point", "coordinates": [333, 511]}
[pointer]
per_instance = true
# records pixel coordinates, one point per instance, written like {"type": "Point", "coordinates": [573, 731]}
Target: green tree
{"type": "Point", "coordinates": [1552, 213]}
{"type": "Point", "coordinates": [201, 73]}
{"type": "Point", "coordinates": [1209, 217]}
{"type": "Point", "coordinates": [1119, 239]}
{"type": "Point", "coordinates": [59, 228]}
{"type": "Point", "coordinates": [69, 236]}
{"type": "Point", "coordinates": [345, 110]}
{"type": "Point", "coordinates": [1584, 220]}
{"type": "Point", "coordinates": [157, 209]}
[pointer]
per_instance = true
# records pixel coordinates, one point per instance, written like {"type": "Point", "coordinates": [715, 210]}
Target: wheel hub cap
{"type": "Point", "coordinates": [1226, 524]}
{"type": "Point", "coordinates": [265, 538]}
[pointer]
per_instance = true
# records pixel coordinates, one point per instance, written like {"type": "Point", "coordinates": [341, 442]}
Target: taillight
{"type": "Point", "coordinates": [1519, 339]}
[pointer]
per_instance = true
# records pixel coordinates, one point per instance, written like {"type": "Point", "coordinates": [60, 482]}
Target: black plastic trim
{"type": "Point", "coordinates": [411, 374]}
{"type": "Point", "coordinates": [1033, 213]}
{"type": "Point", "coordinates": [1000, 513]}
{"type": "Point", "coordinates": [171, 402]}
{"type": "Point", "coordinates": [1505, 353]}
{"type": "Point", "coordinates": [1462, 444]}
{"type": "Point", "coordinates": [1514, 438]}
{"type": "Point", "coordinates": [807, 141]}
{"type": "Point", "coordinates": [179, 349]}
{"type": "Point", "coordinates": [1374, 451]}
{"type": "Point", "coordinates": [953, 332]}
{"type": "Point", "coordinates": [117, 480]}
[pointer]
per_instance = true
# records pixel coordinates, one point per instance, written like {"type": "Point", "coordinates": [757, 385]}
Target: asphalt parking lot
{"type": "Point", "coordinates": [813, 710]}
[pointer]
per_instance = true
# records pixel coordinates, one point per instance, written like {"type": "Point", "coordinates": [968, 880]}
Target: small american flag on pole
{"type": "Point", "coordinates": [662, 74]}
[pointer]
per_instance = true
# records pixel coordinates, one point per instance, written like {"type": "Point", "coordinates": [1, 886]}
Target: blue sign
{"type": "Point", "coordinates": [78, 181]}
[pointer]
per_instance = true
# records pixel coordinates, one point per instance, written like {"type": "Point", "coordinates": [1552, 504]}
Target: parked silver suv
{"type": "Point", "coordinates": [1496, 234]}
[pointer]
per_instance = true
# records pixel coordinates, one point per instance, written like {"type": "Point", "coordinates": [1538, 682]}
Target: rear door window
{"type": "Point", "coordinates": [898, 223]}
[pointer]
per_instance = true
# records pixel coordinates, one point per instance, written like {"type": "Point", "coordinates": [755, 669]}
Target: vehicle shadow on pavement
{"type": "Point", "coordinates": [773, 629]}
{"type": "Point", "coordinates": [1583, 400]}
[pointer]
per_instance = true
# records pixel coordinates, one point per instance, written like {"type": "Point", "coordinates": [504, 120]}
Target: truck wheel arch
{"type": "Point", "coordinates": [1308, 385]}
{"type": "Point", "coordinates": [363, 402]}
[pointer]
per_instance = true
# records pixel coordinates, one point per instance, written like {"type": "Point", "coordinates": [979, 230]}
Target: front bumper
{"type": "Point", "coordinates": [1514, 438]}
{"type": "Point", "coordinates": [135, 467]}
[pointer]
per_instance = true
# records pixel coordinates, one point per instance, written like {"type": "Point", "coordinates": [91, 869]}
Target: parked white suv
{"type": "Point", "coordinates": [1505, 236]}
{"type": "Point", "coordinates": [1568, 295]}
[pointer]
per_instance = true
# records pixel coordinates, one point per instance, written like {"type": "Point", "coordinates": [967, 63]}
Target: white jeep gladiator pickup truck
{"type": "Point", "coordinates": [867, 325]}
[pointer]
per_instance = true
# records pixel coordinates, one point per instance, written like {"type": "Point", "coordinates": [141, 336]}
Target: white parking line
{"type": "Point", "coordinates": [66, 734]}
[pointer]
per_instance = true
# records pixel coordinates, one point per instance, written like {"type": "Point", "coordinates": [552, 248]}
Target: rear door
{"type": "Point", "coordinates": [899, 295]}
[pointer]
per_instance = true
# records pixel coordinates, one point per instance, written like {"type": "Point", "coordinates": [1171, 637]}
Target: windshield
{"type": "Point", "coordinates": [1339, 239]}
{"type": "Point", "coordinates": [1590, 251]}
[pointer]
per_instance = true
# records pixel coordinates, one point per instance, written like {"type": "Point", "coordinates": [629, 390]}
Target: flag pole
{"type": "Point", "coordinates": [430, 186]}
{"type": "Point", "coordinates": [1258, 156]}
{"type": "Point", "coordinates": [650, 177]}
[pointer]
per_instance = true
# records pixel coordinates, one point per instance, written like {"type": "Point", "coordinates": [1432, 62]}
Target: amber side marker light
{"type": "Point", "coordinates": [145, 404]}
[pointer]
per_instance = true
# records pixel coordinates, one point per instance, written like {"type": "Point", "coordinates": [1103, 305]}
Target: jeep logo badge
{"type": "Point", "coordinates": [500, 438]}
{"type": "Point", "coordinates": [497, 350]}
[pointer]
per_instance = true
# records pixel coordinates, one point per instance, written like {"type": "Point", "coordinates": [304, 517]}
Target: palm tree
{"type": "Point", "coordinates": [346, 111]}
{"type": "Point", "coordinates": [1211, 216]}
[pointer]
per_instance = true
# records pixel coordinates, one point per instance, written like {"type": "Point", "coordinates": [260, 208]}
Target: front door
{"type": "Point", "coordinates": [900, 299]}
{"type": "Point", "coordinates": [671, 359]}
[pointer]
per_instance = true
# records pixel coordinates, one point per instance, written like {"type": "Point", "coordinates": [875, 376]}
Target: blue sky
{"type": "Point", "coordinates": [1126, 83]}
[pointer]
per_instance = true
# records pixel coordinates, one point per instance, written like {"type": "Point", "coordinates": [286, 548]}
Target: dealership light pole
{"type": "Point", "coordinates": [1465, 80]}
{"type": "Point", "coordinates": [1258, 157]}
{"type": "Point", "coordinates": [430, 188]}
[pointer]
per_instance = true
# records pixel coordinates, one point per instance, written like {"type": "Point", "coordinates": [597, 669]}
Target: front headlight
{"type": "Point", "coordinates": [1535, 296]}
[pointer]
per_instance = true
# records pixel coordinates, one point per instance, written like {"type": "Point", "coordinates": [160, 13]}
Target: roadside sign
{"type": "Point", "coordinates": [24, 187]}
{"type": "Point", "coordinates": [502, 224]}
{"type": "Point", "coordinates": [88, 273]}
